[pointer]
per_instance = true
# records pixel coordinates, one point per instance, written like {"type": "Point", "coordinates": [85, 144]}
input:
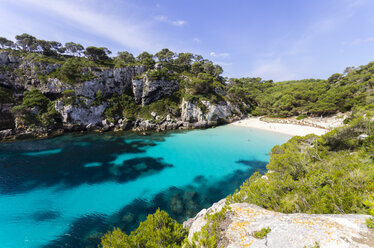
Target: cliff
{"type": "Point", "coordinates": [100, 98]}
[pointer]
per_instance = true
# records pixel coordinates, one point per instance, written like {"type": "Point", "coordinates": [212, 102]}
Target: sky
{"type": "Point", "coordinates": [271, 39]}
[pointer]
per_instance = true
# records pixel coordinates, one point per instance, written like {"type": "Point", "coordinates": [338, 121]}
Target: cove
{"type": "Point", "coordinates": [66, 191]}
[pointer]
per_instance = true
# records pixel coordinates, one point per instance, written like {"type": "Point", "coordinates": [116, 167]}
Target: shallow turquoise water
{"type": "Point", "coordinates": [65, 191]}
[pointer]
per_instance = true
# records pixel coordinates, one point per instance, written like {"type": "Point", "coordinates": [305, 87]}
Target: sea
{"type": "Point", "coordinates": [68, 191]}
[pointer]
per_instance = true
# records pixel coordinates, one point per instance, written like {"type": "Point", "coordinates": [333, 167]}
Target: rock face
{"type": "Point", "coordinates": [212, 112]}
{"type": "Point", "coordinates": [147, 91]}
{"type": "Point", "coordinates": [82, 115]}
{"type": "Point", "coordinates": [114, 81]}
{"type": "Point", "coordinates": [287, 230]}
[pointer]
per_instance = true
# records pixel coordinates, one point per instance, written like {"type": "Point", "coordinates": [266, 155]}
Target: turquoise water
{"type": "Point", "coordinates": [66, 191]}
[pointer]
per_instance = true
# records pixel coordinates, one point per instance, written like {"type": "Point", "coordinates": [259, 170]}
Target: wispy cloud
{"type": "Point", "coordinates": [129, 33]}
{"type": "Point", "coordinates": [178, 23]}
{"type": "Point", "coordinates": [219, 55]}
{"type": "Point", "coordinates": [196, 40]}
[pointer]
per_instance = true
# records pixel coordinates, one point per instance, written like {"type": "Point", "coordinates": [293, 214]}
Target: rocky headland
{"type": "Point", "coordinates": [242, 220]}
{"type": "Point", "coordinates": [81, 106]}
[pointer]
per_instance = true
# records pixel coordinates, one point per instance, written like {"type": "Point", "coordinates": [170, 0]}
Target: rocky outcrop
{"type": "Point", "coordinates": [81, 114]}
{"type": "Point", "coordinates": [191, 112]}
{"type": "Point", "coordinates": [80, 108]}
{"type": "Point", "coordinates": [147, 91]}
{"type": "Point", "coordinates": [286, 230]}
{"type": "Point", "coordinates": [114, 81]}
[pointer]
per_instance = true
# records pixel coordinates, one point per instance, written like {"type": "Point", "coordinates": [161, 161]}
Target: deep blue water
{"type": "Point", "coordinates": [66, 191]}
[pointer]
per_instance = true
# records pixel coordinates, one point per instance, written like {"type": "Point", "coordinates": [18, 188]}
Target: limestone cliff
{"type": "Point", "coordinates": [242, 220]}
{"type": "Point", "coordinates": [82, 105]}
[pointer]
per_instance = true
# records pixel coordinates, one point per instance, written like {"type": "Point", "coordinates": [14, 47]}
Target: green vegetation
{"type": "Point", "coordinates": [122, 106]}
{"type": "Point", "coordinates": [330, 174]}
{"type": "Point", "coordinates": [340, 93]}
{"type": "Point", "coordinates": [74, 70]}
{"type": "Point", "coordinates": [210, 233]}
{"type": "Point", "coordinates": [158, 230]}
{"type": "Point", "coordinates": [36, 110]}
{"type": "Point", "coordinates": [262, 233]}
{"type": "Point", "coordinates": [163, 107]}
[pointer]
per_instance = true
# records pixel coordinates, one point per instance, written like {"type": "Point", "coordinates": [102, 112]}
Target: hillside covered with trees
{"type": "Point", "coordinates": [47, 86]}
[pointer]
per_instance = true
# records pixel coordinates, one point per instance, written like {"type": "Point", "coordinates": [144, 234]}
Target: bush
{"type": "Point", "coordinates": [158, 230]}
{"type": "Point", "coordinates": [301, 117]}
{"type": "Point", "coordinates": [36, 110]}
{"type": "Point", "coordinates": [262, 233]}
{"type": "Point", "coordinates": [73, 70]}
{"type": "Point", "coordinates": [122, 106]}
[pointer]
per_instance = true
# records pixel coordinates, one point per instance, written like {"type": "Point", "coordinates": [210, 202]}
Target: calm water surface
{"type": "Point", "coordinates": [66, 191]}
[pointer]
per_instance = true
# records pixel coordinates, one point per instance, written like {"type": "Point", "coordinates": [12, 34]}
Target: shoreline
{"type": "Point", "coordinates": [289, 129]}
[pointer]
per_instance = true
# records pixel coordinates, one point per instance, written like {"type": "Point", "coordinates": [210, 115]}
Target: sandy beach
{"type": "Point", "coordinates": [290, 129]}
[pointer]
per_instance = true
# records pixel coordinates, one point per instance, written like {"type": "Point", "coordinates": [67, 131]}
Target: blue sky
{"type": "Point", "coordinates": [272, 39]}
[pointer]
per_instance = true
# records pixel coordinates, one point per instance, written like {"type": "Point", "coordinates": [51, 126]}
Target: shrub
{"type": "Point", "coordinates": [300, 117]}
{"type": "Point", "coordinates": [36, 110]}
{"type": "Point", "coordinates": [158, 230]}
{"type": "Point", "coordinates": [262, 233]}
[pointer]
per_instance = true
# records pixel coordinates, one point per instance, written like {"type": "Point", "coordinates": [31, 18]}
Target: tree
{"type": "Point", "coordinates": [196, 68]}
{"type": "Point", "coordinates": [165, 55]}
{"type": "Point", "coordinates": [50, 48]}
{"type": "Point", "coordinates": [27, 42]}
{"type": "Point", "coordinates": [34, 98]}
{"type": "Point", "coordinates": [335, 77]}
{"type": "Point", "coordinates": [97, 53]}
{"type": "Point", "coordinates": [57, 46]}
{"type": "Point", "coordinates": [125, 58]}
{"type": "Point", "coordinates": [146, 59]}
{"type": "Point", "coordinates": [4, 42]}
{"type": "Point", "coordinates": [158, 230]}
{"type": "Point", "coordinates": [74, 48]}
{"type": "Point", "coordinates": [183, 61]}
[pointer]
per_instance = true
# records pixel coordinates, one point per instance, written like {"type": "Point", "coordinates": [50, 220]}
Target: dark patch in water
{"type": "Point", "coordinates": [80, 233]}
{"type": "Point", "coordinates": [180, 203]}
{"type": "Point", "coordinates": [200, 179]}
{"type": "Point", "coordinates": [46, 215]}
{"type": "Point", "coordinates": [20, 172]}
{"type": "Point", "coordinates": [257, 165]}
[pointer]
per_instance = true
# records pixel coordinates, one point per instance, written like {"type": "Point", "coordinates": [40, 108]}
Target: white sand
{"type": "Point", "coordinates": [290, 129]}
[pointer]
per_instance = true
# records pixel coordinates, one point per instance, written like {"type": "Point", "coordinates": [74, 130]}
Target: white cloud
{"type": "Point", "coordinates": [130, 33]}
{"type": "Point", "coordinates": [178, 23]}
{"type": "Point", "coordinates": [219, 55]}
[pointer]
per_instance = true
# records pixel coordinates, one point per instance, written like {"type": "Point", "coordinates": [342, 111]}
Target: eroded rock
{"type": "Point", "coordinates": [287, 230]}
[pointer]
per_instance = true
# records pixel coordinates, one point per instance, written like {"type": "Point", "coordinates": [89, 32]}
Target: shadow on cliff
{"type": "Point", "coordinates": [70, 161]}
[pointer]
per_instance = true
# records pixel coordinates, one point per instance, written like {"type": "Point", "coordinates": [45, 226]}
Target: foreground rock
{"type": "Point", "coordinates": [287, 230]}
